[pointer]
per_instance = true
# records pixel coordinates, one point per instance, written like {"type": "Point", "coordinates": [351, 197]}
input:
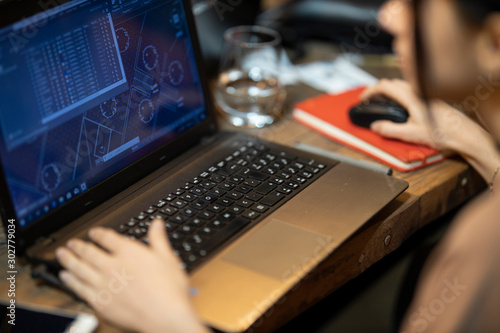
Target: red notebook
{"type": "Point", "coordinates": [329, 115]}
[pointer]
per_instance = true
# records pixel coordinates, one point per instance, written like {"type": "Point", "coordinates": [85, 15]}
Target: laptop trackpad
{"type": "Point", "coordinates": [278, 249]}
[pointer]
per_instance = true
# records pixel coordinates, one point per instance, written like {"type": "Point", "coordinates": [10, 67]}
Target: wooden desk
{"type": "Point", "coordinates": [433, 191]}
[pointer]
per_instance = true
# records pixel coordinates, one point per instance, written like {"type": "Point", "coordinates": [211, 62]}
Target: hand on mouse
{"type": "Point", "coordinates": [134, 286]}
{"type": "Point", "coordinates": [419, 128]}
{"type": "Point", "coordinates": [442, 128]}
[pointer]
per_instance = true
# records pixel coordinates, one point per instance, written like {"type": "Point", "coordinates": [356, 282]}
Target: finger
{"type": "Point", "coordinates": [109, 239]}
{"type": "Point", "coordinates": [89, 253]}
{"type": "Point", "coordinates": [77, 267]}
{"type": "Point", "coordinates": [393, 130]}
{"type": "Point", "coordinates": [397, 90]}
{"type": "Point", "coordinates": [77, 286]}
{"type": "Point", "coordinates": [158, 237]}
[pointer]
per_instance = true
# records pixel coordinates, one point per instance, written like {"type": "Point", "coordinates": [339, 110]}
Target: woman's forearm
{"type": "Point", "coordinates": [478, 148]}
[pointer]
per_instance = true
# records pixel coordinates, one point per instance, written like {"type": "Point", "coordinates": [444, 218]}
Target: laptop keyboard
{"type": "Point", "coordinates": [207, 211]}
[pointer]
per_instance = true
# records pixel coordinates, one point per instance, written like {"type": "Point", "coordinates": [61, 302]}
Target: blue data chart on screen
{"type": "Point", "coordinates": [99, 81]}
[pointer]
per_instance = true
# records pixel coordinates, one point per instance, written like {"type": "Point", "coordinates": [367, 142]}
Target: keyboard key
{"type": "Point", "coordinates": [200, 204]}
{"type": "Point", "coordinates": [234, 195]}
{"type": "Point", "coordinates": [284, 161]}
{"type": "Point", "coordinates": [312, 169]}
{"type": "Point", "coordinates": [235, 179]}
{"type": "Point", "coordinates": [243, 189]}
{"type": "Point", "coordinates": [277, 180]}
{"type": "Point", "coordinates": [207, 231]}
{"type": "Point", "coordinates": [227, 216]}
{"type": "Point", "coordinates": [170, 226]}
{"type": "Point", "coordinates": [300, 180]}
{"type": "Point", "coordinates": [197, 191]}
{"type": "Point", "coordinates": [137, 232]}
{"type": "Point", "coordinates": [216, 224]}
{"type": "Point", "coordinates": [122, 229]}
{"type": "Point", "coordinates": [244, 203]}
{"type": "Point", "coordinates": [236, 210]}
{"type": "Point", "coordinates": [178, 192]}
{"type": "Point", "coordinates": [223, 235]}
{"type": "Point", "coordinates": [255, 174]}
{"type": "Point", "coordinates": [178, 203]}
{"type": "Point", "coordinates": [141, 217]}
{"type": "Point", "coordinates": [284, 175]}
{"type": "Point", "coordinates": [186, 247]}
{"type": "Point", "coordinates": [225, 202]}
{"type": "Point", "coordinates": [209, 198]}
{"type": "Point", "coordinates": [179, 219]}
{"type": "Point", "coordinates": [197, 239]}
{"type": "Point", "coordinates": [256, 166]}
{"type": "Point", "coordinates": [146, 224]}
{"type": "Point", "coordinates": [252, 182]}
{"type": "Point", "coordinates": [169, 211]}
{"type": "Point", "coordinates": [196, 181]}
{"type": "Point", "coordinates": [218, 192]}
{"type": "Point", "coordinates": [229, 170]}
{"type": "Point", "coordinates": [197, 222]}
{"type": "Point", "coordinates": [185, 230]}
{"type": "Point", "coordinates": [286, 155]}
{"type": "Point", "coordinates": [170, 198]}
{"type": "Point", "coordinates": [227, 186]}
{"type": "Point", "coordinates": [205, 175]}
{"type": "Point", "coordinates": [216, 208]}
{"type": "Point", "coordinates": [306, 174]}
{"type": "Point", "coordinates": [253, 197]}
{"type": "Point", "coordinates": [154, 217]}
{"type": "Point", "coordinates": [208, 185]}
{"type": "Point", "coordinates": [190, 259]}
{"type": "Point", "coordinates": [260, 208]}
{"type": "Point", "coordinates": [241, 162]}
{"type": "Point", "coordinates": [189, 212]}
{"type": "Point", "coordinates": [285, 190]}
{"type": "Point", "coordinates": [160, 204]}
{"type": "Point", "coordinates": [265, 188]}
{"type": "Point", "coordinates": [272, 199]}
{"type": "Point", "coordinates": [189, 197]}
{"type": "Point", "coordinates": [217, 178]}
{"type": "Point", "coordinates": [251, 214]}
{"type": "Point", "coordinates": [174, 237]}
{"type": "Point", "coordinates": [292, 185]}
{"type": "Point", "coordinates": [270, 171]}
{"type": "Point", "coordinates": [206, 215]}
{"type": "Point", "coordinates": [131, 223]}
{"type": "Point", "coordinates": [187, 187]}
{"type": "Point", "coordinates": [298, 165]}
{"type": "Point", "coordinates": [270, 156]}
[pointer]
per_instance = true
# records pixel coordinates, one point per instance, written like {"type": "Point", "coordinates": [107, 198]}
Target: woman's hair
{"type": "Point", "coordinates": [478, 10]}
{"type": "Point", "coordinates": [475, 11]}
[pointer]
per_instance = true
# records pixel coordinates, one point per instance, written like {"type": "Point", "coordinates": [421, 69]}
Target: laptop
{"type": "Point", "coordinates": [106, 119]}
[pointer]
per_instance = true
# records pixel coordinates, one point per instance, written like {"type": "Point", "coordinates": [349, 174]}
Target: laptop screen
{"type": "Point", "coordinates": [87, 88]}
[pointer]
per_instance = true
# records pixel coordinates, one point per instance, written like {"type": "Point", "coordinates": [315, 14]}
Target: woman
{"type": "Point", "coordinates": [458, 43]}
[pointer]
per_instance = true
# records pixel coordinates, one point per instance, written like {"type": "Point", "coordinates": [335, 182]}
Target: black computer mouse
{"type": "Point", "coordinates": [378, 109]}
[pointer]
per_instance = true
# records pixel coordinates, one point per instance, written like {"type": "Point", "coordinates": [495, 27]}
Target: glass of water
{"type": "Point", "coordinates": [248, 90]}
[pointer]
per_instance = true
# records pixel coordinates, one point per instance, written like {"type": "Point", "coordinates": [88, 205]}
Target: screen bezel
{"type": "Point", "coordinates": [12, 11]}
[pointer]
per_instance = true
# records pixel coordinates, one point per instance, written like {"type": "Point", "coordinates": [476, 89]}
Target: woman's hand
{"type": "Point", "coordinates": [437, 131]}
{"type": "Point", "coordinates": [133, 286]}
{"type": "Point", "coordinates": [443, 128]}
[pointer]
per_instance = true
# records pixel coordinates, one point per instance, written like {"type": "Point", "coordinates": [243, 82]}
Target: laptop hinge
{"type": "Point", "coordinates": [45, 241]}
{"type": "Point", "coordinates": [208, 139]}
